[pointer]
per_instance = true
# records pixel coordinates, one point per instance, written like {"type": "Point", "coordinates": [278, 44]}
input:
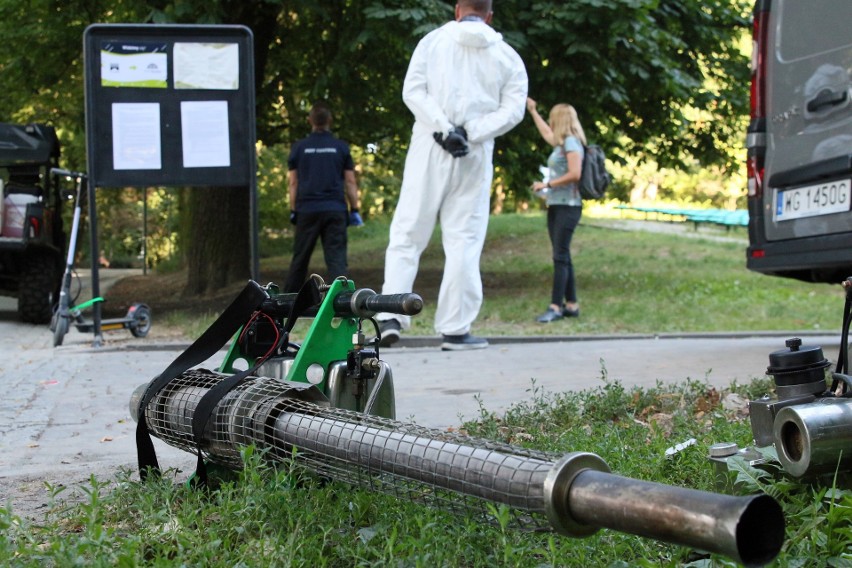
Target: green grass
{"type": "Point", "coordinates": [637, 282]}
{"type": "Point", "coordinates": [267, 516]}
{"type": "Point", "coordinates": [629, 282]}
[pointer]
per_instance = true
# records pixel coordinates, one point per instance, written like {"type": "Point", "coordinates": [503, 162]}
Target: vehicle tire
{"type": "Point", "coordinates": [36, 289]}
{"type": "Point", "coordinates": [141, 324]}
{"type": "Point", "coordinates": [62, 324]}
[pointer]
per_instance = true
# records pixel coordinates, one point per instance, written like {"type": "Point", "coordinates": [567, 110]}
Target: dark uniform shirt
{"type": "Point", "coordinates": [320, 160]}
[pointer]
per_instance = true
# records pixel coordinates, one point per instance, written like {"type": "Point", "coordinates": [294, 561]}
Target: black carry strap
{"type": "Point", "coordinates": [308, 296]}
{"type": "Point", "coordinates": [217, 335]}
{"type": "Point", "coordinates": [203, 412]}
{"type": "Point", "coordinates": [842, 370]}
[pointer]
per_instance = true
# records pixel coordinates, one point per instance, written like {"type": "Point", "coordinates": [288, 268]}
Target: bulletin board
{"type": "Point", "coordinates": [169, 105]}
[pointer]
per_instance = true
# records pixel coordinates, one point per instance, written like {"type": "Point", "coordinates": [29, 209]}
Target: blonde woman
{"type": "Point", "coordinates": [564, 132]}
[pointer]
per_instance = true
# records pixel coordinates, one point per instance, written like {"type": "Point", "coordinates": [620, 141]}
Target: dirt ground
{"type": "Point", "coordinates": [165, 293]}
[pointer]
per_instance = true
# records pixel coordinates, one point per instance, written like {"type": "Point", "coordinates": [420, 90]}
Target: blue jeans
{"type": "Point", "coordinates": [561, 222]}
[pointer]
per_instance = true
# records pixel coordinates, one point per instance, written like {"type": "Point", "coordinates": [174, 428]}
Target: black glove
{"type": "Point", "coordinates": [293, 217]}
{"type": "Point", "coordinates": [455, 143]}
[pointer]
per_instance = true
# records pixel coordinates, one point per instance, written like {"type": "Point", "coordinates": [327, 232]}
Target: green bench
{"type": "Point", "coordinates": [722, 217]}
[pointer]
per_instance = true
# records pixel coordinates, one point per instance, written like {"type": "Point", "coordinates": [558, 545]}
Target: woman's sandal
{"type": "Point", "coordinates": [570, 313]}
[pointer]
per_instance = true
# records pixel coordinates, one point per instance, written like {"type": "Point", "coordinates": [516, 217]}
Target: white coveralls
{"type": "Point", "coordinates": [462, 74]}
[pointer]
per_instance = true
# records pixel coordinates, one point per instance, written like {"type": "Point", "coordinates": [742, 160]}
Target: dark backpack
{"type": "Point", "coordinates": [594, 179]}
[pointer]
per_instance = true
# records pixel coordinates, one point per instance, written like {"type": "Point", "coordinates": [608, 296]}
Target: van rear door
{"type": "Point", "coordinates": [802, 219]}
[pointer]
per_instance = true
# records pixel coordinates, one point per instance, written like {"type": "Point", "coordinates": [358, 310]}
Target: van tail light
{"type": "Point", "coordinates": [760, 32]}
{"type": "Point", "coordinates": [754, 171]}
{"type": "Point", "coordinates": [756, 141]}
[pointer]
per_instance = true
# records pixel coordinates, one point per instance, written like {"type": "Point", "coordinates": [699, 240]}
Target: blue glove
{"type": "Point", "coordinates": [355, 219]}
{"type": "Point", "coordinates": [293, 217]}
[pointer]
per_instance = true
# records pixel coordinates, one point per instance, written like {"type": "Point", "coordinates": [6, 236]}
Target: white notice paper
{"type": "Point", "coordinates": [207, 66]}
{"type": "Point", "coordinates": [205, 134]}
{"type": "Point", "coordinates": [136, 136]}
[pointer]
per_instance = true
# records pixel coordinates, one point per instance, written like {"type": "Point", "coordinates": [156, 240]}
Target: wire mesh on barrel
{"type": "Point", "coordinates": [454, 472]}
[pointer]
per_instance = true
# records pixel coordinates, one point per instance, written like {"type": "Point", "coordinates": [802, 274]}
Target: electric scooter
{"type": "Point", "coordinates": [138, 317]}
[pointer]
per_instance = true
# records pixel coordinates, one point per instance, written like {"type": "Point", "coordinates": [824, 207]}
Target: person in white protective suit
{"type": "Point", "coordinates": [465, 86]}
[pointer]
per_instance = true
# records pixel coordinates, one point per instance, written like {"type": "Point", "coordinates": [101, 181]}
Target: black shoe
{"type": "Point", "coordinates": [549, 316]}
{"type": "Point", "coordinates": [464, 342]}
{"type": "Point", "coordinates": [389, 330]}
{"type": "Point", "coordinates": [569, 313]}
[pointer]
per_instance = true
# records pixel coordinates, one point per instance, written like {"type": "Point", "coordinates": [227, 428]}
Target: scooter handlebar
{"type": "Point", "coordinates": [67, 173]}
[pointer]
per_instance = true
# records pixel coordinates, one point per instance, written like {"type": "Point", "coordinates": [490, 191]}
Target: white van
{"type": "Point", "coordinates": [800, 140]}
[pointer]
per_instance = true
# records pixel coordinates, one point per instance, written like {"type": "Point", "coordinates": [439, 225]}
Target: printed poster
{"type": "Point", "coordinates": [134, 64]}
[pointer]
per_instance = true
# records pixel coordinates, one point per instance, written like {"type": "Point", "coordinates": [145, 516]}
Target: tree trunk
{"type": "Point", "coordinates": [218, 246]}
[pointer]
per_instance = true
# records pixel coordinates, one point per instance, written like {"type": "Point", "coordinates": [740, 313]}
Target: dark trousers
{"type": "Point", "coordinates": [561, 222]}
{"type": "Point", "coordinates": [330, 226]}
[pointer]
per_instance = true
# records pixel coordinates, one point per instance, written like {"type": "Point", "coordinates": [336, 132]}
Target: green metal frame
{"type": "Point", "coordinates": [328, 340]}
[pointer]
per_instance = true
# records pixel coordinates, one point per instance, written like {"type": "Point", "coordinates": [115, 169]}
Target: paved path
{"type": "Point", "coordinates": [67, 408]}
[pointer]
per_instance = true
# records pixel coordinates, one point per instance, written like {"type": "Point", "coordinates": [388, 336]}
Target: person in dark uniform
{"type": "Point", "coordinates": [324, 198]}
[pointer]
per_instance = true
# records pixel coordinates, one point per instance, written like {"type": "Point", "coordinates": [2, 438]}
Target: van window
{"type": "Point", "coordinates": [808, 27]}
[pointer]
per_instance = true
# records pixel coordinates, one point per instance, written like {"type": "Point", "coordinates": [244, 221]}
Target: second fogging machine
{"type": "Point", "coordinates": [328, 403]}
{"type": "Point", "coordinates": [803, 427]}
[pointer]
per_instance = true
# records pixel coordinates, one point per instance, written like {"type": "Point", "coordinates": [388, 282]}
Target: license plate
{"type": "Point", "coordinates": [813, 200]}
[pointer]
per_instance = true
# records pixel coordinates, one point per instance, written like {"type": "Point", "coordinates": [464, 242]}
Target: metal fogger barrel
{"type": "Point", "coordinates": [574, 494]}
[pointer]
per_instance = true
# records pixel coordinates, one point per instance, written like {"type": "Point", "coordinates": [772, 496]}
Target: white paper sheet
{"type": "Point", "coordinates": [205, 134]}
{"type": "Point", "coordinates": [207, 66]}
{"type": "Point", "coordinates": [136, 136]}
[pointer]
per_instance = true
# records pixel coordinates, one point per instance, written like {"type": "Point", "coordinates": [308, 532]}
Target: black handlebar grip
{"type": "Point", "coordinates": [366, 303]}
{"type": "Point", "coordinates": [408, 304]}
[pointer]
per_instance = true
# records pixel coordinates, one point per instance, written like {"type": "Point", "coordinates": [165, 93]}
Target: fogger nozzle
{"type": "Point", "coordinates": [575, 493]}
{"type": "Point", "coordinates": [748, 529]}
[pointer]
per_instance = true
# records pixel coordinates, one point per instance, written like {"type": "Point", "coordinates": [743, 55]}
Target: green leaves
{"type": "Point", "coordinates": [648, 61]}
{"type": "Point", "coordinates": [660, 80]}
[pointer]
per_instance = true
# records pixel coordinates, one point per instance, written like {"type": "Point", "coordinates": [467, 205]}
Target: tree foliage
{"type": "Point", "coordinates": [663, 80]}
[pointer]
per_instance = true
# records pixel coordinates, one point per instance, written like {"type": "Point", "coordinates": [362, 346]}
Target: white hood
{"type": "Point", "coordinates": [464, 74]}
{"type": "Point", "coordinates": [473, 34]}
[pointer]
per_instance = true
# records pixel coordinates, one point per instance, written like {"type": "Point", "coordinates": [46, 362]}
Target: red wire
{"type": "Point", "coordinates": [277, 336]}
{"type": "Point", "coordinates": [247, 325]}
{"type": "Point", "coordinates": [253, 317]}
